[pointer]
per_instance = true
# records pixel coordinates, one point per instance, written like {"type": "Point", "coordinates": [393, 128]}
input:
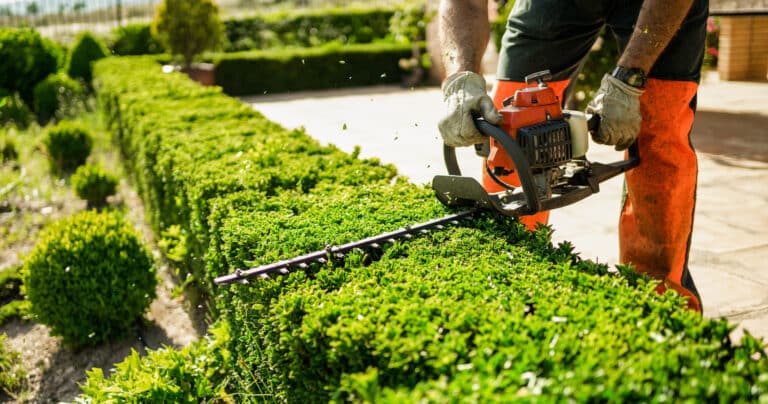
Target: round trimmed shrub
{"type": "Point", "coordinates": [13, 110]}
{"type": "Point", "coordinates": [68, 145]}
{"type": "Point", "coordinates": [86, 50]}
{"type": "Point", "coordinates": [58, 96]}
{"type": "Point", "coordinates": [94, 185]}
{"type": "Point", "coordinates": [89, 278]}
{"type": "Point", "coordinates": [27, 58]}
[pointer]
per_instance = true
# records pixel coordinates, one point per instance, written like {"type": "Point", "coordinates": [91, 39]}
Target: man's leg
{"type": "Point", "coordinates": [657, 217]}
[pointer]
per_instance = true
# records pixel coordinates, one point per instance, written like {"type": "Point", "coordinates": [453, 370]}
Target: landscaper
{"type": "Point", "coordinates": [650, 97]}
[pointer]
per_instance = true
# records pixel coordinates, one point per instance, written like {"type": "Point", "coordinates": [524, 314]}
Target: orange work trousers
{"type": "Point", "coordinates": [656, 219]}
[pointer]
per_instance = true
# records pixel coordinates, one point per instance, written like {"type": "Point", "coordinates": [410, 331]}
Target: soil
{"type": "Point", "coordinates": [54, 370]}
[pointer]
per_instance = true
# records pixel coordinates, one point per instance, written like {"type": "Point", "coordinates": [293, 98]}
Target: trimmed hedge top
{"type": "Point", "coordinates": [484, 311]}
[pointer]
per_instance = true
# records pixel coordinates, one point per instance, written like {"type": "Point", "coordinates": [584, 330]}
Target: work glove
{"type": "Point", "coordinates": [618, 105]}
{"type": "Point", "coordinates": [465, 96]}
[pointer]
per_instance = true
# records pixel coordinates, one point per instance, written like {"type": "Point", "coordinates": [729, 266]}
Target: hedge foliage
{"type": "Point", "coordinates": [483, 312]}
{"type": "Point", "coordinates": [89, 278]}
{"type": "Point", "coordinates": [134, 39]}
{"type": "Point", "coordinates": [294, 69]}
{"type": "Point", "coordinates": [191, 375]}
{"type": "Point", "coordinates": [308, 28]}
{"type": "Point", "coordinates": [304, 28]}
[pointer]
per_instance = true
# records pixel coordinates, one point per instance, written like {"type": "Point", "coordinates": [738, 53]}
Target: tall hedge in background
{"type": "Point", "coordinates": [307, 28]}
{"type": "Point", "coordinates": [322, 67]}
{"type": "Point", "coordinates": [135, 39]}
{"type": "Point", "coordinates": [188, 27]}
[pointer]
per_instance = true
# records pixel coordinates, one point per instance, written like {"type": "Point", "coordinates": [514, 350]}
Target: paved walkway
{"type": "Point", "coordinates": [730, 243]}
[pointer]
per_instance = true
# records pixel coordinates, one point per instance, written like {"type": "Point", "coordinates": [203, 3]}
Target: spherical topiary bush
{"type": "Point", "coordinates": [86, 50]}
{"type": "Point", "coordinates": [94, 185]}
{"type": "Point", "coordinates": [89, 278]}
{"type": "Point", "coordinates": [68, 146]}
{"type": "Point", "coordinates": [13, 110]}
{"type": "Point", "coordinates": [58, 96]}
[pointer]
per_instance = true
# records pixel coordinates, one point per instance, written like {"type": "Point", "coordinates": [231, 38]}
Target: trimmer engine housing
{"type": "Point", "coordinates": [538, 147]}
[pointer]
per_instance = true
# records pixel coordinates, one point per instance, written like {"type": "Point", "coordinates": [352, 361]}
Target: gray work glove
{"type": "Point", "coordinates": [618, 105]}
{"type": "Point", "coordinates": [465, 96]}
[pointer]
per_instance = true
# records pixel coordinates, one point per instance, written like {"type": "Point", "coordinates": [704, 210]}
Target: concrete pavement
{"type": "Point", "coordinates": [730, 242]}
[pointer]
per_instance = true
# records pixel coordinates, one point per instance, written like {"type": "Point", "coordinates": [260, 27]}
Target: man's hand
{"type": "Point", "coordinates": [465, 96]}
{"type": "Point", "coordinates": [618, 105]}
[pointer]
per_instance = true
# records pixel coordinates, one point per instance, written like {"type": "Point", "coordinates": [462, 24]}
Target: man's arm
{"type": "Point", "coordinates": [657, 23]}
{"type": "Point", "coordinates": [464, 33]}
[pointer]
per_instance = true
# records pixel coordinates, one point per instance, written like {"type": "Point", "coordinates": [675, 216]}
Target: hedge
{"type": "Point", "coordinates": [480, 312]}
{"type": "Point", "coordinates": [330, 66]}
{"type": "Point", "coordinates": [308, 28]}
{"type": "Point", "coordinates": [303, 28]}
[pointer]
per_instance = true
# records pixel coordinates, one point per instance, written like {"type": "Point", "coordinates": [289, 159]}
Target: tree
{"type": "Point", "coordinates": [188, 27]}
{"type": "Point", "coordinates": [33, 8]}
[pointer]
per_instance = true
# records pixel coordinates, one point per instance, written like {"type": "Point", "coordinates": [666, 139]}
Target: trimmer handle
{"type": "Point", "coordinates": [633, 160]}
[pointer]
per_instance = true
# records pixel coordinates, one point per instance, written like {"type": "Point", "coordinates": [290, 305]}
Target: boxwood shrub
{"type": "Point", "coordinates": [89, 278]}
{"type": "Point", "coordinates": [58, 96]}
{"type": "Point", "coordinates": [68, 145]}
{"type": "Point", "coordinates": [86, 50]}
{"type": "Point", "coordinates": [329, 66]}
{"type": "Point", "coordinates": [14, 111]}
{"type": "Point", "coordinates": [482, 311]}
{"type": "Point", "coordinates": [93, 184]}
{"type": "Point", "coordinates": [27, 58]}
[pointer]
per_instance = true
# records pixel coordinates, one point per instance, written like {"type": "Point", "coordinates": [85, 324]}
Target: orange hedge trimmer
{"type": "Point", "coordinates": [538, 143]}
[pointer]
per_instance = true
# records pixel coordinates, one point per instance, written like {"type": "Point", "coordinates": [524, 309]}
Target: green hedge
{"type": "Point", "coordinates": [304, 28]}
{"type": "Point", "coordinates": [480, 312]}
{"type": "Point", "coordinates": [307, 28]}
{"type": "Point", "coordinates": [330, 66]}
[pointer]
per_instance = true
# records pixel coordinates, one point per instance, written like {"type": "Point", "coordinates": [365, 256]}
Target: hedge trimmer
{"type": "Point", "coordinates": [538, 143]}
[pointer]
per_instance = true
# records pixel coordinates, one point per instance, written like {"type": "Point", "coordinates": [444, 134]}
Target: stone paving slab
{"type": "Point", "coordinates": [730, 243]}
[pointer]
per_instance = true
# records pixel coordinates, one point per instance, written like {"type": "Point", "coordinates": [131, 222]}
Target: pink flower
{"type": "Point", "coordinates": [712, 51]}
{"type": "Point", "coordinates": [711, 26]}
